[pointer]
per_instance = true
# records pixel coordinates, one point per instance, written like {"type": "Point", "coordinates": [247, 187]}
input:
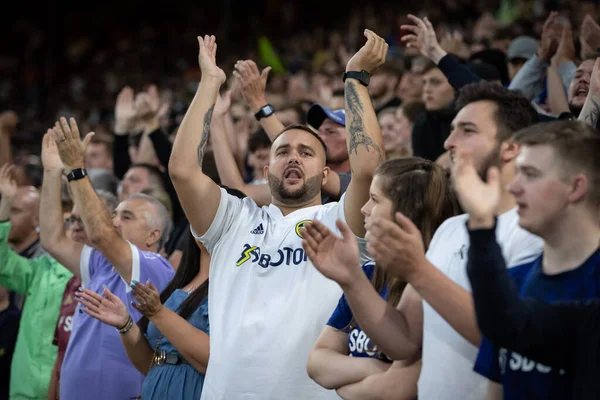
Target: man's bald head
{"type": "Point", "coordinates": [24, 216]}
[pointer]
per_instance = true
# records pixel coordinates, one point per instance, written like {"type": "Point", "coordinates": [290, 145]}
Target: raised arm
{"type": "Point", "coordinates": [557, 98]}
{"type": "Point", "coordinates": [253, 85]}
{"type": "Point", "coordinates": [8, 123]}
{"type": "Point", "coordinates": [423, 38]}
{"type": "Point", "coordinates": [530, 78]}
{"type": "Point", "coordinates": [226, 165]}
{"type": "Point", "coordinates": [330, 365]}
{"type": "Point", "coordinates": [365, 144]}
{"type": "Point", "coordinates": [53, 236]}
{"type": "Point", "coordinates": [199, 195]}
{"type": "Point", "coordinates": [96, 218]}
{"type": "Point", "coordinates": [125, 123]}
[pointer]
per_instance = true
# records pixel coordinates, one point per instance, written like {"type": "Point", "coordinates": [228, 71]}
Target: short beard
{"type": "Point", "coordinates": [575, 110]}
{"type": "Point", "coordinates": [302, 195]}
{"type": "Point", "coordinates": [492, 159]}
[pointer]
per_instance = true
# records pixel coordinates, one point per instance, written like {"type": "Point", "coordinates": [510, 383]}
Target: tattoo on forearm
{"type": "Point", "coordinates": [592, 117]}
{"type": "Point", "coordinates": [205, 133]}
{"type": "Point", "coordinates": [356, 128]}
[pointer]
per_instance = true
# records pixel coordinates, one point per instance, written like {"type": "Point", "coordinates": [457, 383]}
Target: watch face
{"type": "Point", "coordinates": [365, 77]}
{"type": "Point", "coordinates": [268, 109]}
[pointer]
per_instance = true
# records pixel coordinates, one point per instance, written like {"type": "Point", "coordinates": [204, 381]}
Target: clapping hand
{"type": "Point", "coordinates": [551, 33]}
{"type": "Point", "coordinates": [335, 257]}
{"type": "Point", "coordinates": [222, 105]}
{"type": "Point", "coordinates": [252, 83]}
{"type": "Point", "coordinates": [69, 144]}
{"type": "Point", "coordinates": [207, 59]}
{"type": "Point", "coordinates": [371, 56]}
{"type": "Point", "coordinates": [479, 199]}
{"type": "Point", "coordinates": [50, 157]}
{"type": "Point", "coordinates": [423, 38]}
{"type": "Point", "coordinates": [396, 246]}
{"type": "Point", "coordinates": [108, 308]}
{"type": "Point", "coordinates": [148, 298]}
{"type": "Point", "coordinates": [8, 185]}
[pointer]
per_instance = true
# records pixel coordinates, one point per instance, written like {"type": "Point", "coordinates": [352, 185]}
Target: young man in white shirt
{"type": "Point", "coordinates": [436, 313]}
{"type": "Point", "coordinates": [267, 303]}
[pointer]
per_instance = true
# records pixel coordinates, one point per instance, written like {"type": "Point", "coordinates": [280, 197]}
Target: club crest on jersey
{"type": "Point", "coordinates": [300, 225]}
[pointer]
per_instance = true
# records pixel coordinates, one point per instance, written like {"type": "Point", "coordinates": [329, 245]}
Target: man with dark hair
{"type": "Point", "coordinates": [432, 127]}
{"type": "Point", "coordinates": [259, 148]}
{"type": "Point", "coordinates": [557, 189]}
{"type": "Point", "coordinates": [435, 312]}
{"type": "Point", "coordinates": [138, 178]}
{"type": "Point", "coordinates": [262, 283]}
{"type": "Point", "coordinates": [383, 85]}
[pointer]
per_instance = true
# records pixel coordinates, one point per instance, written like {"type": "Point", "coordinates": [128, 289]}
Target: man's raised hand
{"type": "Point", "coordinates": [479, 199]}
{"type": "Point", "coordinates": [125, 112]}
{"type": "Point", "coordinates": [50, 157]}
{"type": "Point", "coordinates": [8, 185]}
{"type": "Point", "coordinates": [423, 38]}
{"type": "Point", "coordinates": [70, 147]}
{"type": "Point", "coordinates": [371, 56]}
{"type": "Point", "coordinates": [207, 59]}
{"type": "Point", "coordinates": [252, 83]}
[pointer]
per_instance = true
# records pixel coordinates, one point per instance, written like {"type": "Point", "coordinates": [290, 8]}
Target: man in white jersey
{"type": "Point", "coordinates": [267, 303]}
{"type": "Point", "coordinates": [436, 312]}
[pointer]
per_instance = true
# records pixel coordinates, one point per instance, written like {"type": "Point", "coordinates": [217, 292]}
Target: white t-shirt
{"type": "Point", "coordinates": [267, 302]}
{"type": "Point", "coordinates": [448, 358]}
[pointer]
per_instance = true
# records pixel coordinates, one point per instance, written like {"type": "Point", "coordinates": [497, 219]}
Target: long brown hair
{"type": "Point", "coordinates": [421, 191]}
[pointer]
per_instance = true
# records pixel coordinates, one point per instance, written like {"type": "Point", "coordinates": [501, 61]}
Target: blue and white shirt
{"type": "Point", "coordinates": [359, 343]}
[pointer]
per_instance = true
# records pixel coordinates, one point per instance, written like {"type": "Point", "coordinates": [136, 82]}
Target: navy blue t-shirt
{"type": "Point", "coordinates": [520, 377]}
{"type": "Point", "coordinates": [359, 343]}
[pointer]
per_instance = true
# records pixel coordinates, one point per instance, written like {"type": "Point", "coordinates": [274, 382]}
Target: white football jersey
{"type": "Point", "coordinates": [267, 302]}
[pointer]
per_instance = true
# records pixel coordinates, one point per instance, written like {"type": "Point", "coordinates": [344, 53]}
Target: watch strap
{"type": "Point", "coordinates": [362, 76]}
{"type": "Point", "coordinates": [76, 174]}
{"type": "Point", "coordinates": [265, 111]}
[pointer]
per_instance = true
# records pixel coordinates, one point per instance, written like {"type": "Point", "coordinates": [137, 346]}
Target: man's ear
{"type": "Point", "coordinates": [580, 187]}
{"type": "Point", "coordinates": [509, 150]}
{"type": "Point", "coordinates": [325, 175]}
{"type": "Point", "coordinates": [153, 238]}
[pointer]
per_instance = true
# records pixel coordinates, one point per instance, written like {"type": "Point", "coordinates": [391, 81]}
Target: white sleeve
{"type": "Point", "coordinates": [524, 248]}
{"type": "Point", "coordinates": [230, 209]}
{"type": "Point", "coordinates": [84, 265]}
{"type": "Point", "coordinates": [135, 268]}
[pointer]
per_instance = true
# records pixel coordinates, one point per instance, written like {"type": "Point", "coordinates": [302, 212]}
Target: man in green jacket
{"type": "Point", "coordinates": [42, 280]}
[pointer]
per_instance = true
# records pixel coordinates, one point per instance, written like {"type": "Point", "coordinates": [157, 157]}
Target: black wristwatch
{"type": "Point", "coordinates": [76, 174]}
{"type": "Point", "coordinates": [363, 76]}
{"type": "Point", "coordinates": [264, 112]}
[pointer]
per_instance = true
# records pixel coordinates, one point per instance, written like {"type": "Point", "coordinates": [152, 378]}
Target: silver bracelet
{"type": "Point", "coordinates": [127, 326]}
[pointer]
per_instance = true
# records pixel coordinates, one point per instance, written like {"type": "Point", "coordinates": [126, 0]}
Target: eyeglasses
{"type": "Point", "coordinates": [71, 220]}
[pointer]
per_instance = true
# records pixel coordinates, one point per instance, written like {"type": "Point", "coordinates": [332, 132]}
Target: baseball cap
{"type": "Point", "coordinates": [522, 47]}
{"type": "Point", "coordinates": [317, 114]}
